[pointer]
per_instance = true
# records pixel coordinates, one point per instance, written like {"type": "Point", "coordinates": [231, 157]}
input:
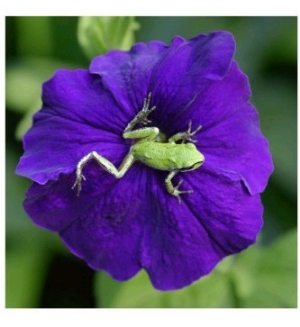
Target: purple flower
{"type": "Point", "coordinates": [123, 225]}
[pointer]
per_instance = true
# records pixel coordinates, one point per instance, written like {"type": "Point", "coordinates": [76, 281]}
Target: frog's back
{"type": "Point", "coordinates": [165, 156]}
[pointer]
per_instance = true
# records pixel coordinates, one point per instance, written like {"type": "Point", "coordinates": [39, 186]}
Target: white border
{"type": "Point", "coordinates": [181, 317]}
{"type": "Point", "coordinates": [151, 8]}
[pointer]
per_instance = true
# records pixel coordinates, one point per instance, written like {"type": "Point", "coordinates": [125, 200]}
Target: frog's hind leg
{"type": "Point", "coordinates": [105, 164]}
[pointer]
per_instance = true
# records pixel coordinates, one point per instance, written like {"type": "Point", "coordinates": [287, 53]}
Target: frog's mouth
{"type": "Point", "coordinates": [193, 167]}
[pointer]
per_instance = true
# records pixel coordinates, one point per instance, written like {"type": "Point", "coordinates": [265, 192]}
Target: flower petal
{"type": "Point", "coordinates": [217, 101]}
{"type": "Point", "coordinates": [55, 205]}
{"type": "Point", "coordinates": [127, 73]}
{"type": "Point", "coordinates": [236, 148]}
{"type": "Point", "coordinates": [184, 242]}
{"type": "Point", "coordinates": [78, 116]}
{"type": "Point", "coordinates": [103, 225]}
{"type": "Point", "coordinates": [107, 236]}
{"type": "Point", "coordinates": [186, 69]}
{"type": "Point", "coordinates": [230, 137]}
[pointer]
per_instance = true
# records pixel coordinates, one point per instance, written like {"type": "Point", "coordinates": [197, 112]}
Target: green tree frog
{"type": "Point", "coordinates": [150, 150]}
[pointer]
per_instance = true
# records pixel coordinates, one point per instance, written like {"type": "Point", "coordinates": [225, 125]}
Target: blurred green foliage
{"type": "Point", "coordinates": [262, 276]}
{"type": "Point", "coordinates": [97, 35]}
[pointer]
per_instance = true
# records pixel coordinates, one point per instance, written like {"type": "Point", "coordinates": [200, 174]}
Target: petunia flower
{"type": "Point", "coordinates": [124, 225]}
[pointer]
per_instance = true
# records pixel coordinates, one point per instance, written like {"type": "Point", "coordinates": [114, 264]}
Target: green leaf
{"type": "Point", "coordinates": [26, 264]}
{"type": "Point", "coordinates": [267, 276]}
{"type": "Point", "coordinates": [34, 36]}
{"type": "Point", "coordinates": [26, 121]}
{"type": "Point", "coordinates": [28, 248]}
{"type": "Point", "coordinates": [97, 35]}
{"type": "Point", "coordinates": [212, 291]}
{"type": "Point", "coordinates": [16, 218]}
{"type": "Point", "coordinates": [24, 79]}
{"type": "Point", "coordinates": [276, 101]}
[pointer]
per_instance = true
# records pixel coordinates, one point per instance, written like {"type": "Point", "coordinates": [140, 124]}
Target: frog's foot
{"type": "Point", "coordinates": [141, 117]}
{"type": "Point", "coordinates": [185, 136]}
{"type": "Point", "coordinates": [79, 178]}
{"type": "Point", "coordinates": [176, 192]}
{"type": "Point", "coordinates": [188, 134]}
{"type": "Point", "coordinates": [146, 111]}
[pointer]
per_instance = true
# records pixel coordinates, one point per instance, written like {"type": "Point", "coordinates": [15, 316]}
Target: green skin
{"type": "Point", "coordinates": [170, 156]}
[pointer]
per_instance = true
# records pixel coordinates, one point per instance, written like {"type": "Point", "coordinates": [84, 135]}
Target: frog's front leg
{"type": "Point", "coordinates": [185, 136]}
{"type": "Point", "coordinates": [141, 116]}
{"type": "Point", "coordinates": [105, 164]}
{"type": "Point", "coordinates": [144, 134]}
{"type": "Point", "coordinates": [174, 190]}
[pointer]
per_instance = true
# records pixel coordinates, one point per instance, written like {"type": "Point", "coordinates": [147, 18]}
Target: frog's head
{"type": "Point", "coordinates": [193, 158]}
